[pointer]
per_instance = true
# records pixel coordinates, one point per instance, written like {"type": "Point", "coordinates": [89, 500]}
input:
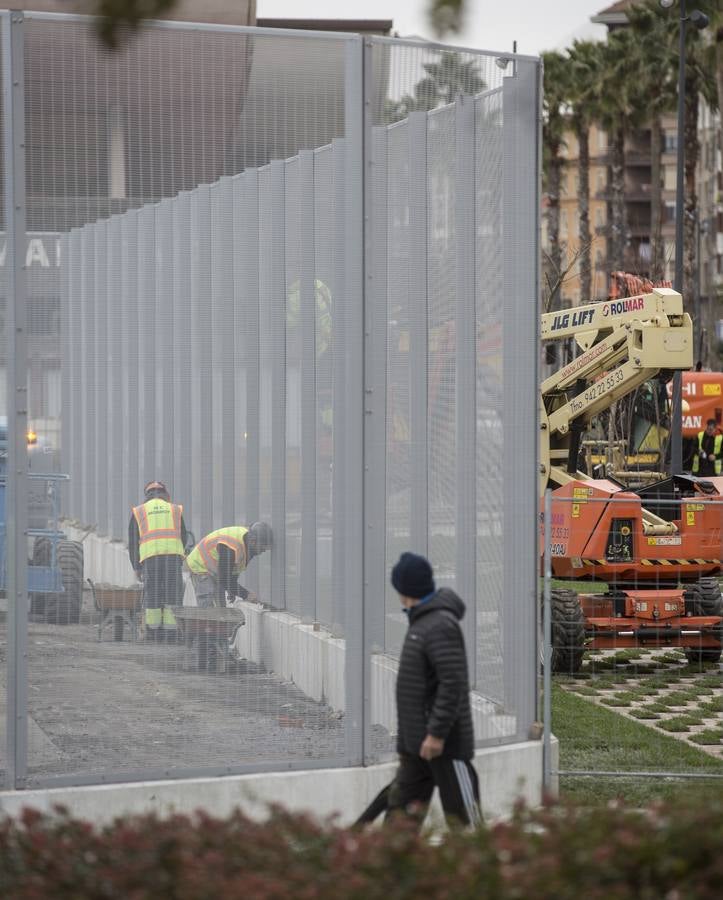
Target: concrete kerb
{"type": "Point", "coordinates": [507, 774]}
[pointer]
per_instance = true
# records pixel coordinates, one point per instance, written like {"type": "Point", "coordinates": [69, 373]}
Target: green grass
{"type": "Point", "coordinates": [657, 706]}
{"type": "Point", "coordinates": [679, 723]}
{"type": "Point", "coordinates": [679, 698]}
{"type": "Point", "coordinates": [643, 713]}
{"type": "Point", "coordinates": [709, 736]}
{"type": "Point", "coordinates": [594, 738]}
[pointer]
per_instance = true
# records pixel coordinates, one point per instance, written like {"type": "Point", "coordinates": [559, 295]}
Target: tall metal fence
{"type": "Point", "coordinates": [293, 276]}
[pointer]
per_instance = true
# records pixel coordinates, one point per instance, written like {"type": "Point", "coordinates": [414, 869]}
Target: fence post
{"type": "Point", "coordinates": [88, 312]}
{"type": "Point", "coordinates": [466, 375]}
{"type": "Point", "coordinates": [16, 483]}
{"type": "Point", "coordinates": [201, 365]}
{"type": "Point", "coordinates": [131, 383]}
{"type": "Point", "coordinates": [418, 333]}
{"type": "Point", "coordinates": [147, 405]}
{"type": "Point", "coordinates": [547, 645]}
{"type": "Point", "coordinates": [224, 326]}
{"type": "Point", "coordinates": [117, 503]}
{"type": "Point", "coordinates": [181, 364]}
{"type": "Point", "coordinates": [246, 300]}
{"type": "Point", "coordinates": [102, 506]}
{"type": "Point", "coordinates": [165, 348]}
{"type": "Point", "coordinates": [355, 594]}
{"type": "Point", "coordinates": [521, 350]}
{"type": "Point", "coordinates": [278, 380]}
{"type": "Point", "coordinates": [308, 313]}
{"type": "Point", "coordinates": [375, 270]}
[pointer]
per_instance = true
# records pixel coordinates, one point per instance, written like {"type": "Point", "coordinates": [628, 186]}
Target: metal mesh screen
{"type": "Point", "coordinates": [444, 189]}
{"type": "Point", "coordinates": [271, 270]}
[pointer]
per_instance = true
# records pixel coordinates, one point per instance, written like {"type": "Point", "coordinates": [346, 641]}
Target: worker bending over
{"type": "Point", "coordinates": [216, 561]}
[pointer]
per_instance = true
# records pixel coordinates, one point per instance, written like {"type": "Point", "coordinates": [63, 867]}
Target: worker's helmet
{"type": "Point", "coordinates": [259, 538]}
{"type": "Point", "coordinates": [156, 489]}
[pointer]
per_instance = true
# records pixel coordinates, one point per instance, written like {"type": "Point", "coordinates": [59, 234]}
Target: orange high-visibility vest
{"type": "Point", "coordinates": [159, 527]}
{"type": "Point", "coordinates": [203, 559]}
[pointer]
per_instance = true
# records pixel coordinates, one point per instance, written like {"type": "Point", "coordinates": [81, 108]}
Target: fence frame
{"type": "Point", "coordinates": [359, 411]}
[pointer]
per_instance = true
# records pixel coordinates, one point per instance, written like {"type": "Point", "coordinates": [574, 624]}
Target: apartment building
{"type": "Point", "coordinates": [707, 290]}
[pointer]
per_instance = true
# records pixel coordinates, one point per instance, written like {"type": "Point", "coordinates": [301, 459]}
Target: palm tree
{"type": "Point", "coordinates": [621, 107]}
{"type": "Point", "coordinates": [554, 125]}
{"type": "Point", "coordinates": [584, 75]}
{"type": "Point", "coordinates": [649, 24]}
{"type": "Point", "coordinates": [699, 81]}
{"type": "Point", "coordinates": [447, 78]}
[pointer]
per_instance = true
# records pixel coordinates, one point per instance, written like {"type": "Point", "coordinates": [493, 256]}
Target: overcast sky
{"type": "Point", "coordinates": [536, 25]}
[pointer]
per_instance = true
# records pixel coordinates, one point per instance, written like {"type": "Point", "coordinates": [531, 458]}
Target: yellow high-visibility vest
{"type": "Point", "coordinates": [717, 444]}
{"type": "Point", "coordinates": [203, 559]}
{"type": "Point", "coordinates": [159, 528]}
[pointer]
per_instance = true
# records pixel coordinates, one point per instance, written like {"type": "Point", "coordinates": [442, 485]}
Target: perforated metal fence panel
{"type": "Point", "coordinates": [293, 277]}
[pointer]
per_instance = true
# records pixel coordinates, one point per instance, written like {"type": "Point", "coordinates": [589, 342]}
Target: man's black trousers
{"type": "Point", "coordinates": [162, 581]}
{"type": "Point", "coordinates": [414, 782]}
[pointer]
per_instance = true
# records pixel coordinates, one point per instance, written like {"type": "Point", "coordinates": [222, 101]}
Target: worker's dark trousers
{"type": "Point", "coordinates": [162, 584]}
{"type": "Point", "coordinates": [411, 791]}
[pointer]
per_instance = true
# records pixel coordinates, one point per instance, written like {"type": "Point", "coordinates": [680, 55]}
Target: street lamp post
{"type": "Point", "coordinates": [700, 20]}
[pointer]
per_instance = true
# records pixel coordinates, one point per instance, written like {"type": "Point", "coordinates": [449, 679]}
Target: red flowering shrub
{"type": "Point", "coordinates": [558, 852]}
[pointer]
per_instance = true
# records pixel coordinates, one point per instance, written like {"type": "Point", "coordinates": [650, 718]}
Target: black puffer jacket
{"type": "Point", "coordinates": [432, 683]}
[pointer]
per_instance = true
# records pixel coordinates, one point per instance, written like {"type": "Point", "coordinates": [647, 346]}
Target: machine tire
{"type": "Point", "coordinates": [42, 551]}
{"type": "Point", "coordinates": [42, 555]}
{"type": "Point", "coordinates": [568, 632]}
{"type": "Point", "coordinates": [67, 606]}
{"type": "Point", "coordinates": [704, 599]}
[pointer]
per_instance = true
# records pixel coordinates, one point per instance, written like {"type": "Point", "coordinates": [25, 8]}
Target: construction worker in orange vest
{"type": "Point", "coordinates": [156, 540]}
{"type": "Point", "coordinates": [216, 561]}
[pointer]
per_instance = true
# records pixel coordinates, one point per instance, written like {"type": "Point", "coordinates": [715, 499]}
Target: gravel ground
{"type": "Point", "coordinates": [104, 708]}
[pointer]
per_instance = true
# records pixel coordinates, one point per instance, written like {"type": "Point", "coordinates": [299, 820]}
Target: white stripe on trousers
{"type": "Point", "coordinates": [467, 791]}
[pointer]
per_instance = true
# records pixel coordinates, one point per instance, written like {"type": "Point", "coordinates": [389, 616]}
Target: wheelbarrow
{"type": "Point", "coordinates": [118, 608]}
{"type": "Point", "coordinates": [208, 633]}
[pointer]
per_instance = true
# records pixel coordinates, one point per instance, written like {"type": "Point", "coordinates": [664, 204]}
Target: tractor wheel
{"type": "Point", "coordinates": [704, 599]}
{"type": "Point", "coordinates": [42, 556]}
{"type": "Point", "coordinates": [42, 551]}
{"type": "Point", "coordinates": [70, 562]}
{"type": "Point", "coordinates": [568, 632]}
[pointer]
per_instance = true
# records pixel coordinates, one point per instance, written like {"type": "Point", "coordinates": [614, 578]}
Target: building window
{"type": "Point", "coordinates": [669, 211]}
{"type": "Point", "coordinates": [671, 142]}
{"type": "Point", "coordinates": [599, 217]}
{"type": "Point", "coordinates": [602, 141]}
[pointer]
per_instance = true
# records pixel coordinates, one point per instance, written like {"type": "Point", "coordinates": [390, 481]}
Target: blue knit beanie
{"type": "Point", "coordinates": [412, 576]}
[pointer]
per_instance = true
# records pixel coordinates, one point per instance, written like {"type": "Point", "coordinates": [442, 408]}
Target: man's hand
{"type": "Point", "coordinates": [431, 748]}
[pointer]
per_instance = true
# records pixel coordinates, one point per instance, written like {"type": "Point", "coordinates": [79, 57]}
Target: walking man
{"type": "Point", "coordinates": [435, 738]}
{"type": "Point", "coordinates": [156, 540]}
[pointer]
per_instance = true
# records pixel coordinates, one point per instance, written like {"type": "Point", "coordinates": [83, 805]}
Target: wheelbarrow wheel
{"type": "Point", "coordinates": [117, 628]}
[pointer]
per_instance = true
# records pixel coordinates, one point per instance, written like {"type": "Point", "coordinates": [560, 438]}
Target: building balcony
{"type": "Point", "coordinates": [637, 158]}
